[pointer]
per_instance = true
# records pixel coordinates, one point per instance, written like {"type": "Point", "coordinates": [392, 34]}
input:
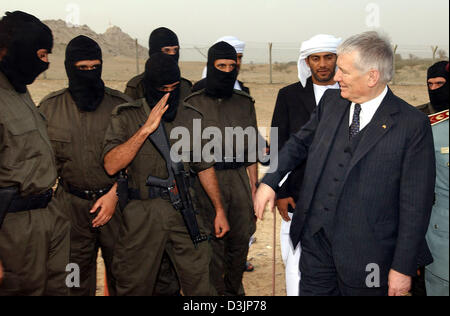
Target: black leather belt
{"type": "Point", "coordinates": [32, 202]}
{"type": "Point", "coordinates": [89, 195]}
{"type": "Point", "coordinates": [228, 165]}
{"type": "Point", "coordinates": [153, 193]}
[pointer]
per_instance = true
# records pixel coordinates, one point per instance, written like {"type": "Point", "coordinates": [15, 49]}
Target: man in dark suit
{"type": "Point", "coordinates": [293, 109]}
{"type": "Point", "coordinates": [365, 205]}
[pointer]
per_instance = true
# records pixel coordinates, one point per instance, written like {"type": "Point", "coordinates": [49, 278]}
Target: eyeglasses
{"type": "Point", "coordinates": [87, 68]}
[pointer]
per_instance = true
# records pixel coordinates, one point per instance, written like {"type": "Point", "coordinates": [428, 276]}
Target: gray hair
{"type": "Point", "coordinates": [374, 52]}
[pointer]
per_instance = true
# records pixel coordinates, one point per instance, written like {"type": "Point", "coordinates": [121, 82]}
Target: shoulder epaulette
{"type": "Point", "coordinates": [130, 105]}
{"type": "Point", "coordinates": [194, 94]}
{"type": "Point", "coordinates": [244, 94]}
{"type": "Point", "coordinates": [187, 105]}
{"type": "Point", "coordinates": [53, 94]}
{"type": "Point", "coordinates": [135, 81]}
{"type": "Point", "coordinates": [118, 94]}
{"type": "Point", "coordinates": [438, 117]}
{"type": "Point", "coordinates": [188, 82]}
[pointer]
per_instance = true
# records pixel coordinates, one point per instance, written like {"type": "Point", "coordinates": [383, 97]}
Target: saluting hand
{"type": "Point", "coordinates": [264, 196]}
{"type": "Point", "coordinates": [154, 119]}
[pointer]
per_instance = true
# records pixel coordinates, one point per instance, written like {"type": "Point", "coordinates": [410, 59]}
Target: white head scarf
{"type": "Point", "coordinates": [321, 43]}
{"type": "Point", "coordinates": [238, 45]}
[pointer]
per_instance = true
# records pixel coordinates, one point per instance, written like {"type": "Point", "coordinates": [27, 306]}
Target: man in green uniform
{"type": "Point", "coordinates": [438, 91]}
{"type": "Point", "coordinates": [437, 274]}
{"type": "Point", "coordinates": [152, 225]}
{"type": "Point", "coordinates": [77, 120]}
{"type": "Point", "coordinates": [34, 236]}
{"type": "Point", "coordinates": [225, 108]}
{"type": "Point", "coordinates": [166, 41]}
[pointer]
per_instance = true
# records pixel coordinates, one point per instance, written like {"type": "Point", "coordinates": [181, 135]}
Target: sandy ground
{"type": "Point", "coordinates": [118, 70]}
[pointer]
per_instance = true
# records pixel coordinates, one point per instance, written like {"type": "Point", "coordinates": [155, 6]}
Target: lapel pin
{"type": "Point", "coordinates": [384, 126]}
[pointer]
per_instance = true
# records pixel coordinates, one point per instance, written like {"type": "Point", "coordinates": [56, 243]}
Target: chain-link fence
{"type": "Point", "coordinates": [263, 63]}
{"type": "Point", "coordinates": [277, 62]}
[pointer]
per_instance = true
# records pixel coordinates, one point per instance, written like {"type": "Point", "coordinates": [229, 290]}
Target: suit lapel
{"type": "Point", "coordinates": [307, 97]}
{"type": "Point", "coordinates": [326, 139]}
{"type": "Point", "coordinates": [380, 125]}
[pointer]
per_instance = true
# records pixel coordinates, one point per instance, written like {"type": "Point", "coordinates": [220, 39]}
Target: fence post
{"type": "Point", "coordinates": [270, 61]}
{"type": "Point", "coordinates": [395, 68]}
{"type": "Point", "coordinates": [137, 57]}
{"type": "Point", "coordinates": [434, 49]}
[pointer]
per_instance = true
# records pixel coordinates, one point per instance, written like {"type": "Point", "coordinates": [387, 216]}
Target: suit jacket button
{"type": "Point", "coordinates": [436, 226]}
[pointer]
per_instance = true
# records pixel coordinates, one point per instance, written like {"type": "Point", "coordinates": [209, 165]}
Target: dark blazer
{"type": "Point", "coordinates": [389, 183]}
{"type": "Point", "coordinates": [293, 109]}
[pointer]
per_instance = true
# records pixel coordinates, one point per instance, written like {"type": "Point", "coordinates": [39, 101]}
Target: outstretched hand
{"type": "Point", "coordinates": [264, 196]}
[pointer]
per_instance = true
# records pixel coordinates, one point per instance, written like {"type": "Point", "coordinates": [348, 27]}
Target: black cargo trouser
{"type": "Point", "coordinates": [86, 242]}
{"type": "Point", "coordinates": [152, 228]}
{"type": "Point", "coordinates": [230, 253]}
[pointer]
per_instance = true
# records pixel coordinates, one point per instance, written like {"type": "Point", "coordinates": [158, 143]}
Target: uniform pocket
{"type": "Point", "coordinates": [20, 127]}
{"type": "Point", "coordinates": [61, 140]}
{"type": "Point", "coordinates": [24, 139]}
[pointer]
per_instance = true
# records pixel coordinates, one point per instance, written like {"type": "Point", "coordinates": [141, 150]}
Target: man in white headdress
{"type": "Point", "coordinates": [239, 46]}
{"type": "Point", "coordinates": [295, 104]}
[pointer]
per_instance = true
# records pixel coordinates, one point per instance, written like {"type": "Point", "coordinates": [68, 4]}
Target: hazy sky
{"type": "Point", "coordinates": [408, 22]}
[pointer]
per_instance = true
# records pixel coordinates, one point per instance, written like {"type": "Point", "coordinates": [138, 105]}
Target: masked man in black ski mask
{"type": "Point", "coordinates": [29, 43]}
{"type": "Point", "coordinates": [84, 69]}
{"type": "Point", "coordinates": [78, 117]}
{"type": "Point", "coordinates": [438, 89]}
{"type": "Point", "coordinates": [162, 40]}
{"type": "Point", "coordinates": [162, 76]}
{"type": "Point", "coordinates": [166, 41]}
{"type": "Point", "coordinates": [221, 71]}
{"type": "Point", "coordinates": [224, 108]}
{"type": "Point", "coordinates": [34, 237]}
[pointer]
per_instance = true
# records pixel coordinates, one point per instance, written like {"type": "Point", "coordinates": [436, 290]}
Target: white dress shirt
{"type": "Point", "coordinates": [368, 110]}
{"type": "Point", "coordinates": [320, 90]}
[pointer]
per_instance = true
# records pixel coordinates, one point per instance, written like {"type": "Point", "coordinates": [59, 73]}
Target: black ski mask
{"type": "Point", "coordinates": [220, 84]}
{"type": "Point", "coordinates": [439, 97]}
{"type": "Point", "coordinates": [160, 70]}
{"type": "Point", "coordinates": [27, 34]}
{"type": "Point", "coordinates": [85, 86]}
{"type": "Point", "coordinates": [163, 37]}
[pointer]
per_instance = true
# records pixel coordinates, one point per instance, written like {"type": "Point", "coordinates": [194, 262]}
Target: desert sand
{"type": "Point", "coordinates": [118, 70]}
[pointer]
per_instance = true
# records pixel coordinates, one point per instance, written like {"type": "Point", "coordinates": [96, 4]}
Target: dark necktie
{"type": "Point", "coordinates": [354, 128]}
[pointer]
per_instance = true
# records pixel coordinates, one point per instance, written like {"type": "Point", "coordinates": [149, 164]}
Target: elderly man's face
{"type": "Point", "coordinates": [354, 84]}
{"type": "Point", "coordinates": [323, 67]}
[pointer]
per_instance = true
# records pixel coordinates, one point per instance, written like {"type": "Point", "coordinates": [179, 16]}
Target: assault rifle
{"type": "Point", "coordinates": [177, 185]}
